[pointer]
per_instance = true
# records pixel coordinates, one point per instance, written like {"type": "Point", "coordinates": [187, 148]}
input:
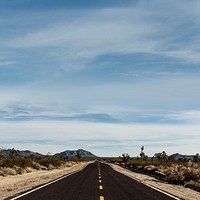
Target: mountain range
{"type": "Point", "coordinates": [180, 156]}
{"type": "Point", "coordinates": [68, 153]}
{"type": "Point", "coordinates": [26, 153]}
{"type": "Point", "coordinates": [80, 152]}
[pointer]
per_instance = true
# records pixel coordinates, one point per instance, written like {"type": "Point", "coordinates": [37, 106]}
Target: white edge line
{"type": "Point", "coordinates": [24, 194]}
{"type": "Point", "coordinates": [161, 191]}
{"type": "Point", "coordinates": [170, 195]}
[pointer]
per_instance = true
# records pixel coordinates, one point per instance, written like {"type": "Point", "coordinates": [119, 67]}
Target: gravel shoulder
{"type": "Point", "coordinates": [176, 190]}
{"type": "Point", "coordinates": [13, 185]}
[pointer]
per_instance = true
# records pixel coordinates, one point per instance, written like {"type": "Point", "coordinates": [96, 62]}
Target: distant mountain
{"type": "Point", "coordinates": [179, 156]}
{"type": "Point", "coordinates": [80, 152]}
{"type": "Point", "coordinates": [26, 153]}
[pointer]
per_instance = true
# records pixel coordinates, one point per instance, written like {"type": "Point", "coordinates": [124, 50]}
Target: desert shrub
{"type": "Point", "coordinates": [50, 160]}
{"type": "Point", "coordinates": [8, 171]}
{"type": "Point", "coordinates": [180, 174]}
{"type": "Point", "coordinates": [137, 163]}
{"type": "Point", "coordinates": [1, 172]}
{"type": "Point", "coordinates": [19, 170]}
{"type": "Point", "coordinates": [76, 159]}
{"type": "Point", "coordinates": [192, 175]}
{"type": "Point", "coordinates": [28, 169]}
{"type": "Point", "coordinates": [16, 161]}
{"type": "Point", "coordinates": [38, 166]}
{"type": "Point", "coordinates": [50, 167]}
{"type": "Point", "coordinates": [150, 168]}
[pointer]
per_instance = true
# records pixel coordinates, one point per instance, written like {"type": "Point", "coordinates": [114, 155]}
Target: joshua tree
{"type": "Point", "coordinates": [142, 154]}
{"type": "Point", "coordinates": [14, 152]}
{"type": "Point", "coordinates": [161, 157]}
{"type": "Point", "coordinates": [196, 158]}
{"type": "Point", "coordinates": [125, 157]}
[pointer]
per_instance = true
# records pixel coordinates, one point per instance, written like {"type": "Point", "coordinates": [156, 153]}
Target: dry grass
{"type": "Point", "coordinates": [179, 172]}
{"type": "Point", "coordinates": [16, 165]}
{"type": "Point", "coordinates": [176, 190]}
{"type": "Point", "coordinates": [8, 171]}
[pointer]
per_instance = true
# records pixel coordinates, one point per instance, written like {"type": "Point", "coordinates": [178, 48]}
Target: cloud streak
{"type": "Point", "coordinates": [90, 34]}
{"type": "Point", "coordinates": [100, 135]}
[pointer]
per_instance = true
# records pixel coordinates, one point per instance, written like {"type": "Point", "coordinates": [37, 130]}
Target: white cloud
{"type": "Point", "coordinates": [93, 136]}
{"type": "Point", "coordinates": [124, 31]}
{"type": "Point", "coordinates": [187, 116]}
{"type": "Point", "coordinates": [75, 44]}
{"type": "Point", "coordinates": [172, 93]}
{"type": "Point", "coordinates": [158, 29]}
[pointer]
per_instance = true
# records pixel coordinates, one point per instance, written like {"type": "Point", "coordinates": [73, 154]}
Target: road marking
{"type": "Point", "coordinates": [48, 183]}
{"type": "Point", "coordinates": [99, 168]}
{"type": "Point", "coordinates": [161, 191]}
{"type": "Point", "coordinates": [100, 187]}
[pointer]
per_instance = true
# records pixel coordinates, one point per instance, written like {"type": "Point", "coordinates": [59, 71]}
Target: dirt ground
{"type": "Point", "coordinates": [176, 190]}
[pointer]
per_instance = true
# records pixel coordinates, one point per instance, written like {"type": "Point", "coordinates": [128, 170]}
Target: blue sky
{"type": "Point", "coordinates": [106, 76]}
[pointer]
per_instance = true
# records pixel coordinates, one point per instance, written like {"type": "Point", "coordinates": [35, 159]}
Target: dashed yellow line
{"type": "Point", "coordinates": [100, 181]}
{"type": "Point", "coordinates": [98, 167]}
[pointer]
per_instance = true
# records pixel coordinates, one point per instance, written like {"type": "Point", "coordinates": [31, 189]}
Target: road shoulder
{"type": "Point", "coordinates": [176, 190]}
{"type": "Point", "coordinates": [13, 185]}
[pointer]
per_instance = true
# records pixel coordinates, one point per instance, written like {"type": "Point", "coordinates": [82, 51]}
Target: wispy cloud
{"type": "Point", "coordinates": [88, 34]}
{"type": "Point", "coordinates": [101, 114]}
{"type": "Point", "coordinates": [7, 62]}
{"type": "Point", "coordinates": [165, 93]}
{"type": "Point", "coordinates": [67, 134]}
{"type": "Point", "coordinates": [141, 74]}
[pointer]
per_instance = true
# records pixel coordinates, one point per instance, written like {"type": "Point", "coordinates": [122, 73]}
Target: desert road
{"type": "Point", "coordinates": [97, 181]}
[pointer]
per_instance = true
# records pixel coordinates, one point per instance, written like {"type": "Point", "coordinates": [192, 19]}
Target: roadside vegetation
{"type": "Point", "coordinates": [15, 164]}
{"type": "Point", "coordinates": [181, 171]}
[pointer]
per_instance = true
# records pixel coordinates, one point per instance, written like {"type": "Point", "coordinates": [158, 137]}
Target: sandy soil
{"type": "Point", "coordinates": [176, 190]}
{"type": "Point", "coordinates": [12, 185]}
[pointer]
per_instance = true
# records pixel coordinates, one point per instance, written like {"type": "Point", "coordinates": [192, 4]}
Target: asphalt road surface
{"type": "Point", "coordinates": [97, 181]}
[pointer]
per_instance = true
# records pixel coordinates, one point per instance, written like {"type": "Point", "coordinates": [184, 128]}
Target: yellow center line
{"type": "Point", "coordinates": [99, 166]}
{"type": "Point", "coordinates": [100, 186]}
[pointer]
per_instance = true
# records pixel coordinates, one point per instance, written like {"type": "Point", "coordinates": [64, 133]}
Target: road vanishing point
{"type": "Point", "coordinates": [97, 181]}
